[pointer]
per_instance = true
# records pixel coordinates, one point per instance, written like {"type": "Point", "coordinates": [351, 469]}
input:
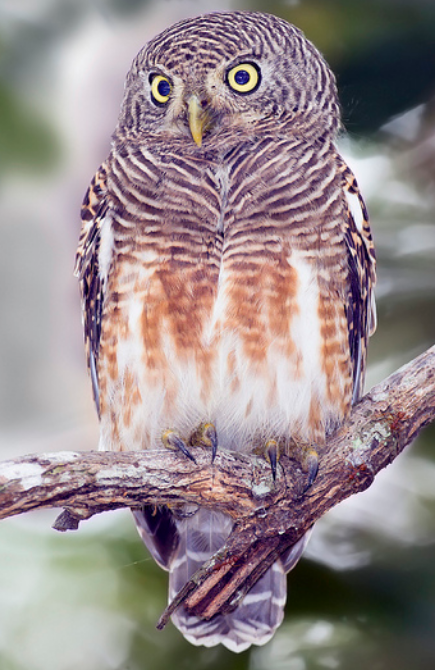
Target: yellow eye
{"type": "Point", "coordinates": [160, 89]}
{"type": "Point", "coordinates": [244, 78]}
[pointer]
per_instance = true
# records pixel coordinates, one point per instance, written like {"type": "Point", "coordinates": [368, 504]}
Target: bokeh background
{"type": "Point", "coordinates": [365, 594]}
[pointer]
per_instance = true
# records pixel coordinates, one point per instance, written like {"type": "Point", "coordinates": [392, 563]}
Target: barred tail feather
{"type": "Point", "coordinates": [262, 609]}
{"type": "Point", "coordinates": [181, 545]}
{"type": "Point", "coordinates": [253, 622]}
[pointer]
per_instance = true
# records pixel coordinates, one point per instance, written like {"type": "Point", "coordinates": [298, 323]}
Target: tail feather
{"type": "Point", "coordinates": [158, 531]}
{"type": "Point", "coordinates": [199, 536]}
{"type": "Point", "coordinates": [253, 622]}
{"type": "Point", "coordinates": [260, 612]}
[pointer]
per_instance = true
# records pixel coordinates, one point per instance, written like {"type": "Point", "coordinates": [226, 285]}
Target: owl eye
{"type": "Point", "coordinates": [160, 89]}
{"type": "Point", "coordinates": [244, 78]}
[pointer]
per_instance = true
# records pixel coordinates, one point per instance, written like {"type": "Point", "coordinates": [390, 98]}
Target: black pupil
{"type": "Point", "coordinates": [163, 88]}
{"type": "Point", "coordinates": [242, 77]}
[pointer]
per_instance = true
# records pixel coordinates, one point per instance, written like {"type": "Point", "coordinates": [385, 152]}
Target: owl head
{"type": "Point", "coordinates": [245, 71]}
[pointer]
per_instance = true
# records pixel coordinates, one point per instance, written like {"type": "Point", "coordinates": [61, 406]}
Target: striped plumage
{"type": "Point", "coordinates": [226, 272]}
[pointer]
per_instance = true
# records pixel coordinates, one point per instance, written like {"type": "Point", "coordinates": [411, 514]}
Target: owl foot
{"type": "Point", "coordinates": [272, 453]}
{"type": "Point", "coordinates": [171, 440]}
{"type": "Point", "coordinates": [206, 436]}
{"type": "Point", "coordinates": [310, 464]}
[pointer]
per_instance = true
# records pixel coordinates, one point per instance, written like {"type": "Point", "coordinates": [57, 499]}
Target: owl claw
{"type": "Point", "coordinates": [210, 439]}
{"type": "Point", "coordinates": [206, 436]}
{"type": "Point", "coordinates": [172, 440]}
{"type": "Point", "coordinates": [272, 454]}
{"type": "Point", "coordinates": [311, 465]}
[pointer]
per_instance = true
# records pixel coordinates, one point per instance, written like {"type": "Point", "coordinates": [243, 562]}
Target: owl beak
{"type": "Point", "coordinates": [198, 117]}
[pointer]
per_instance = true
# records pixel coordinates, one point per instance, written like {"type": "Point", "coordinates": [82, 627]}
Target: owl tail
{"type": "Point", "coordinates": [195, 539]}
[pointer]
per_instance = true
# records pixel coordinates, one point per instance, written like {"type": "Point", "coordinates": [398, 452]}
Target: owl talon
{"type": "Point", "coordinates": [206, 436]}
{"type": "Point", "coordinates": [172, 440]}
{"type": "Point", "coordinates": [272, 454]}
{"type": "Point", "coordinates": [311, 466]}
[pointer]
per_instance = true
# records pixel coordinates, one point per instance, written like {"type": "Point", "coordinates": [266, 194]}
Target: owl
{"type": "Point", "coordinates": [226, 268]}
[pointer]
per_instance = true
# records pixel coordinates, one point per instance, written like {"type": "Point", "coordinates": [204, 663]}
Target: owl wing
{"type": "Point", "coordinates": [361, 308]}
{"type": "Point", "coordinates": [93, 213]}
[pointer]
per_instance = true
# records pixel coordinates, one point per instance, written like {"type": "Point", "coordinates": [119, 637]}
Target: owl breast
{"type": "Point", "coordinates": [220, 304]}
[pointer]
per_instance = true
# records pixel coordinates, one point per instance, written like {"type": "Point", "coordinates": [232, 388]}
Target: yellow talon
{"type": "Point", "coordinates": [310, 464]}
{"type": "Point", "coordinates": [308, 458]}
{"type": "Point", "coordinates": [272, 453]}
{"type": "Point", "coordinates": [171, 440]}
{"type": "Point", "coordinates": [206, 436]}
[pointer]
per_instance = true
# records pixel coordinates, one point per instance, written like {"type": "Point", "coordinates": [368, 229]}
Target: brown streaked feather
{"type": "Point", "coordinates": [93, 211]}
{"type": "Point", "coordinates": [91, 215]}
{"type": "Point", "coordinates": [361, 314]}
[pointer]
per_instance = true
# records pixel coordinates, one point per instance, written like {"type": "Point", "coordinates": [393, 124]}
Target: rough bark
{"type": "Point", "coordinates": [269, 515]}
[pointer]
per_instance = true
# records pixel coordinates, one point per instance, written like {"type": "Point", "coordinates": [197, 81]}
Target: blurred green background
{"type": "Point", "coordinates": [365, 594]}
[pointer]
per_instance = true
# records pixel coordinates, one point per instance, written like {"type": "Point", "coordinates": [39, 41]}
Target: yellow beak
{"type": "Point", "coordinates": [199, 119]}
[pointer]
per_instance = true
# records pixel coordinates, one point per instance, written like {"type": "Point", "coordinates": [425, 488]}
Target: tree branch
{"type": "Point", "coordinates": [269, 516]}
